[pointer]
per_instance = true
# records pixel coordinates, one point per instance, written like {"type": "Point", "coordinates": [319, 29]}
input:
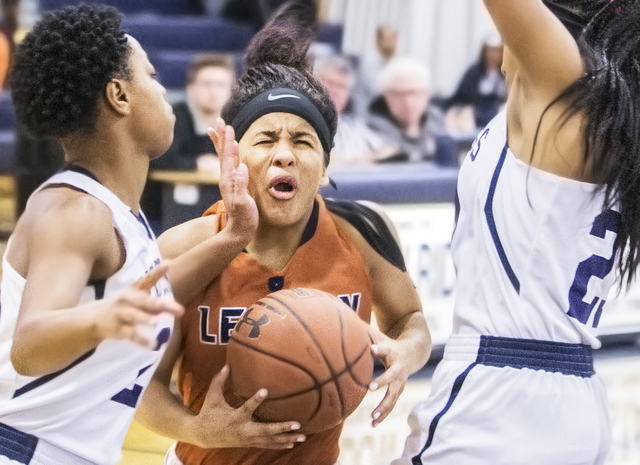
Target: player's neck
{"type": "Point", "coordinates": [274, 247]}
{"type": "Point", "coordinates": [113, 163]}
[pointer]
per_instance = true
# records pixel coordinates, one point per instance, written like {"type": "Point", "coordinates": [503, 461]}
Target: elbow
{"type": "Point", "coordinates": [21, 362]}
{"type": "Point", "coordinates": [23, 359]}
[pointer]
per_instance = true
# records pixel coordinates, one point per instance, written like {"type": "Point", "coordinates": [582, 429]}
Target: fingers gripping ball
{"type": "Point", "coordinates": [309, 349]}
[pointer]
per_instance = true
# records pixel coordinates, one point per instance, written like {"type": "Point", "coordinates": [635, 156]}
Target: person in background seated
{"type": "Point", "coordinates": [355, 142]}
{"type": "Point", "coordinates": [482, 88]}
{"type": "Point", "coordinates": [374, 63]}
{"type": "Point", "coordinates": [402, 115]}
{"type": "Point", "coordinates": [209, 81]}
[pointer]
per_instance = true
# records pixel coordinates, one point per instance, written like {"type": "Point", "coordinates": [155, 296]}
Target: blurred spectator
{"type": "Point", "coordinates": [373, 63]}
{"type": "Point", "coordinates": [8, 27]}
{"type": "Point", "coordinates": [402, 115]}
{"type": "Point", "coordinates": [355, 143]}
{"type": "Point", "coordinates": [209, 81]}
{"type": "Point", "coordinates": [482, 87]}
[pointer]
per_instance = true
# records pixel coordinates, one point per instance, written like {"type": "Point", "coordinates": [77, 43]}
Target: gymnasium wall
{"type": "Point", "coordinates": [445, 34]}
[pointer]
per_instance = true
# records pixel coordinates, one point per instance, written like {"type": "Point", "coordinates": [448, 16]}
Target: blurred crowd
{"type": "Point", "coordinates": [387, 110]}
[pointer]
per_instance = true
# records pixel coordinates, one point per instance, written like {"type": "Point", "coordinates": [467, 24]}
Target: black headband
{"type": "Point", "coordinates": [283, 100]}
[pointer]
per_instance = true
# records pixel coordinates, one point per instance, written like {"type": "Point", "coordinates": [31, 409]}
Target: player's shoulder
{"type": "Point", "coordinates": [63, 221]}
{"type": "Point", "coordinates": [69, 209]}
{"type": "Point", "coordinates": [370, 229]}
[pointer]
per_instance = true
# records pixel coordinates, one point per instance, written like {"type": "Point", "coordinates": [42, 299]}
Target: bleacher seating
{"type": "Point", "coordinates": [188, 33]}
{"type": "Point", "coordinates": [7, 133]}
{"type": "Point", "coordinates": [165, 7]}
{"type": "Point", "coordinates": [7, 157]}
{"type": "Point", "coordinates": [171, 66]}
{"type": "Point", "coordinates": [397, 183]}
{"type": "Point", "coordinates": [7, 114]}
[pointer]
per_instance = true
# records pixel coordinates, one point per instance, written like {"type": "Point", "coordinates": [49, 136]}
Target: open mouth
{"type": "Point", "coordinates": [283, 187]}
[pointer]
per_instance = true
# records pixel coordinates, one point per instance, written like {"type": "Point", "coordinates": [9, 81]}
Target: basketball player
{"type": "Point", "coordinates": [84, 321]}
{"type": "Point", "coordinates": [284, 122]}
{"type": "Point", "coordinates": [548, 221]}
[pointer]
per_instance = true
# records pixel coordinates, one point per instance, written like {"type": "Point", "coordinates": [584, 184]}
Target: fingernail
{"type": "Point", "coordinates": [301, 439]}
{"type": "Point", "coordinates": [290, 446]}
{"type": "Point", "coordinates": [263, 393]}
{"type": "Point", "coordinates": [375, 424]}
{"type": "Point", "coordinates": [376, 415]}
{"type": "Point", "coordinates": [295, 426]}
{"type": "Point", "coordinates": [374, 348]}
{"type": "Point", "coordinates": [373, 386]}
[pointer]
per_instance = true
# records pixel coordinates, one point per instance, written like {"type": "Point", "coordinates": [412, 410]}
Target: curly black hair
{"type": "Point", "coordinates": [277, 57]}
{"type": "Point", "coordinates": [64, 64]}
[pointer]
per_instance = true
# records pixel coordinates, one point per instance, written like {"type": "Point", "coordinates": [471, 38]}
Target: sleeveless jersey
{"type": "Point", "coordinates": [86, 407]}
{"type": "Point", "coordinates": [328, 261]}
{"type": "Point", "coordinates": [533, 250]}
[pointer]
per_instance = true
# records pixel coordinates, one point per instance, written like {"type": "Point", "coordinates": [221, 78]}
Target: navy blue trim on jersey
{"type": "Point", "coordinates": [455, 390]}
{"type": "Point", "coordinates": [554, 357]}
{"type": "Point", "coordinates": [100, 288]}
{"type": "Point", "coordinates": [488, 211]}
{"type": "Point", "coordinates": [81, 170]}
{"type": "Point", "coordinates": [45, 379]}
{"type": "Point", "coordinates": [16, 445]}
{"type": "Point", "coordinates": [312, 224]}
{"type": "Point", "coordinates": [143, 221]}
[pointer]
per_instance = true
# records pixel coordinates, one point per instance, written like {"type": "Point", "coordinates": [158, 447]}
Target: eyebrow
{"type": "Point", "coordinates": [297, 134]}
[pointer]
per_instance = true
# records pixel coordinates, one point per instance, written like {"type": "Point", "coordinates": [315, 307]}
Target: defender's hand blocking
{"type": "Point", "coordinates": [242, 213]}
{"type": "Point", "coordinates": [389, 352]}
{"type": "Point", "coordinates": [131, 312]}
{"type": "Point", "coordinates": [220, 425]}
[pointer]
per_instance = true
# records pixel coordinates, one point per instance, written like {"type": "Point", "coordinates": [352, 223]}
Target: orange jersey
{"type": "Point", "coordinates": [327, 260]}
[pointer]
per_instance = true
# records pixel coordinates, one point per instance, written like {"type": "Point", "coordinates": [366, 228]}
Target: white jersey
{"type": "Point", "coordinates": [533, 251]}
{"type": "Point", "coordinates": [86, 408]}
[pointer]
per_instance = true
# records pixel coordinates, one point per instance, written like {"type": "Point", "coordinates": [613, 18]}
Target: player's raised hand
{"type": "Point", "coordinates": [389, 352]}
{"type": "Point", "coordinates": [242, 213]}
{"type": "Point", "coordinates": [220, 425]}
{"type": "Point", "coordinates": [131, 313]}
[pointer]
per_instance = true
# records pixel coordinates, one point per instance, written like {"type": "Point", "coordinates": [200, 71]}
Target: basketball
{"type": "Point", "coordinates": [309, 349]}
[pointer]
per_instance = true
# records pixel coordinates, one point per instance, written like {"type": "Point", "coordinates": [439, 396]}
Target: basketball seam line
{"type": "Point", "coordinates": [313, 338]}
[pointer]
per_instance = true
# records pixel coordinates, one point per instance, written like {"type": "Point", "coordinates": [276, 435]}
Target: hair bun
{"type": "Point", "coordinates": [286, 38]}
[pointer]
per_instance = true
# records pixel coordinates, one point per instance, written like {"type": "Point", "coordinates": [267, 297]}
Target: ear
{"type": "Point", "coordinates": [324, 180]}
{"type": "Point", "coordinates": [117, 97]}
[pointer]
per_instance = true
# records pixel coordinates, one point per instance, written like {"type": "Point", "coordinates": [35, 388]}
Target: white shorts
{"type": "Point", "coordinates": [18, 448]}
{"type": "Point", "coordinates": [490, 406]}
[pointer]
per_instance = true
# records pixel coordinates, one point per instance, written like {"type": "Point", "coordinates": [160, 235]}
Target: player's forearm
{"type": "Point", "coordinates": [163, 413]}
{"type": "Point", "coordinates": [48, 341]}
{"type": "Point", "coordinates": [191, 272]}
{"type": "Point", "coordinates": [412, 332]}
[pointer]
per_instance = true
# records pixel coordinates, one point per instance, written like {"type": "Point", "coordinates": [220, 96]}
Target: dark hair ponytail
{"type": "Point", "coordinates": [608, 95]}
{"type": "Point", "coordinates": [277, 57]}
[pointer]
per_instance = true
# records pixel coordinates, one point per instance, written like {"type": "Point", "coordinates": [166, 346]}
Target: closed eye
{"type": "Point", "coordinates": [304, 142]}
{"type": "Point", "coordinates": [264, 142]}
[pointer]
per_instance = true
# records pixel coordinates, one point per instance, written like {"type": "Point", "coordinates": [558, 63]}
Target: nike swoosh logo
{"type": "Point", "coordinates": [272, 97]}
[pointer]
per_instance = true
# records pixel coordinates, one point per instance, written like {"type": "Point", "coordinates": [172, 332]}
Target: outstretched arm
{"type": "Point", "coordinates": [70, 244]}
{"type": "Point", "coordinates": [547, 56]}
{"type": "Point", "coordinates": [198, 251]}
{"type": "Point", "coordinates": [403, 343]}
